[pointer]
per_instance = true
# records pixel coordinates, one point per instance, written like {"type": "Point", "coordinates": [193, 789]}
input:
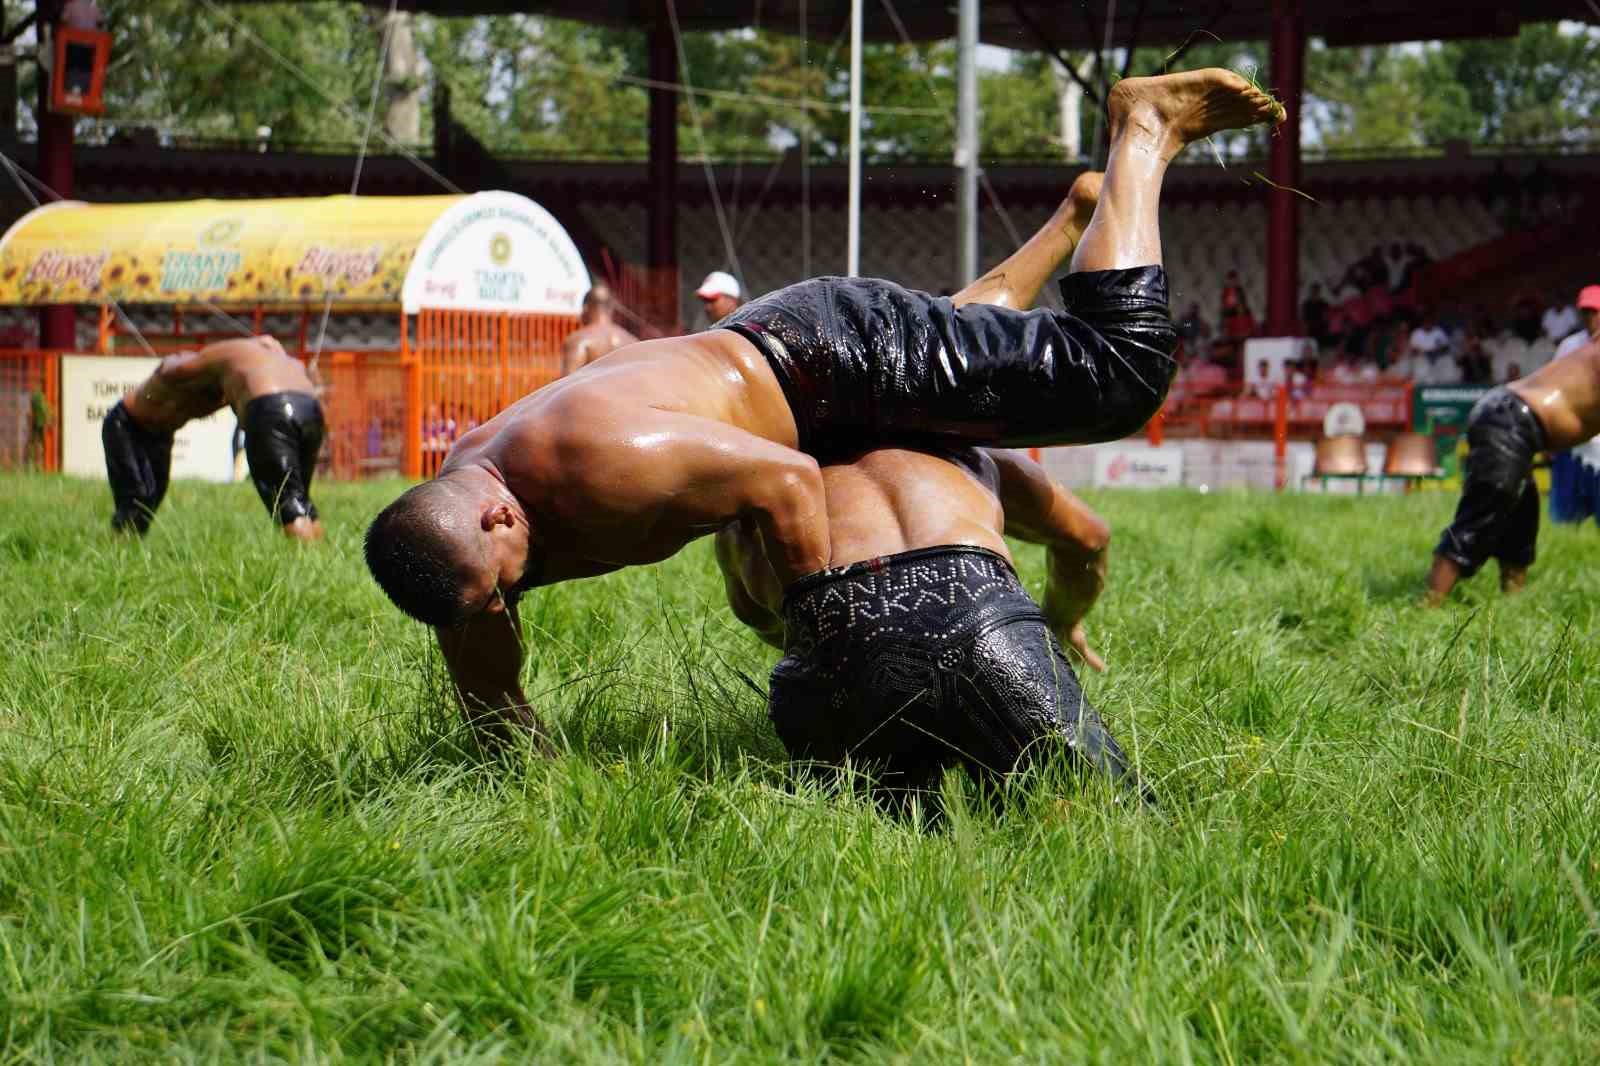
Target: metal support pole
{"type": "Point", "coordinates": [967, 144]}
{"type": "Point", "coordinates": [853, 214]}
{"type": "Point", "coordinates": [663, 222]}
{"type": "Point", "coordinates": [58, 323]}
{"type": "Point", "coordinates": [1283, 167]}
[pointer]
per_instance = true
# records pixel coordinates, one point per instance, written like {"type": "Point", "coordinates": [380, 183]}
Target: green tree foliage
{"type": "Point", "coordinates": [530, 85]}
{"type": "Point", "coordinates": [210, 71]}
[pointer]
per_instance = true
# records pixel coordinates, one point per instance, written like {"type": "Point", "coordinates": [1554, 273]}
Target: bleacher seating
{"type": "Point", "coordinates": [1201, 241]}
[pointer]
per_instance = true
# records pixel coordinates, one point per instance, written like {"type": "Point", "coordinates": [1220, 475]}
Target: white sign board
{"type": "Point", "coordinates": [1272, 353]}
{"type": "Point", "coordinates": [496, 251]}
{"type": "Point", "coordinates": [91, 385]}
{"type": "Point", "coordinates": [1134, 466]}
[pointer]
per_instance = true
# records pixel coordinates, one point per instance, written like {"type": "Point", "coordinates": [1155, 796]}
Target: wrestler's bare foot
{"type": "Point", "coordinates": [1441, 579]}
{"type": "Point", "coordinates": [304, 530]}
{"type": "Point", "coordinates": [1176, 109]}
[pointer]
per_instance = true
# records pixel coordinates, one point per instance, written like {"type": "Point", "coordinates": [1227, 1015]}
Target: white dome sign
{"type": "Point", "coordinates": [496, 251]}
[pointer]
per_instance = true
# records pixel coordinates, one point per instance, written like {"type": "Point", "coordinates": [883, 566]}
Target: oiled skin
{"type": "Point", "coordinates": [1565, 396]}
{"type": "Point", "coordinates": [228, 373]}
{"type": "Point", "coordinates": [660, 442]}
{"type": "Point", "coordinates": [895, 500]}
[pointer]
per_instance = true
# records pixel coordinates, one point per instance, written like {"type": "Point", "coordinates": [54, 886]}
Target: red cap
{"type": "Point", "coordinates": [1589, 298]}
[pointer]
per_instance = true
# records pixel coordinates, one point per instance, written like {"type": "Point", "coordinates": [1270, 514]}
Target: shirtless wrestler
{"type": "Point", "coordinates": [663, 441]}
{"type": "Point", "coordinates": [918, 648]}
{"type": "Point", "coordinates": [598, 335]}
{"type": "Point", "coordinates": [273, 397]}
{"type": "Point", "coordinates": [1556, 407]}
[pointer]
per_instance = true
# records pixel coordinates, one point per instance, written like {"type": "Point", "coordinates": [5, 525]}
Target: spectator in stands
{"type": "Point", "coordinates": [720, 295]}
{"type": "Point", "coordinates": [1192, 328]}
{"type": "Point", "coordinates": [1354, 370]}
{"type": "Point", "coordinates": [1588, 318]}
{"type": "Point", "coordinates": [1417, 257]}
{"type": "Point", "coordinates": [1560, 320]}
{"type": "Point", "coordinates": [1525, 315]}
{"type": "Point", "coordinates": [1302, 372]}
{"type": "Point", "coordinates": [1474, 363]}
{"type": "Point", "coordinates": [1395, 262]}
{"type": "Point", "coordinates": [1428, 340]}
{"type": "Point", "coordinates": [1237, 322]}
{"type": "Point", "coordinates": [597, 335]}
{"type": "Point", "coordinates": [1513, 372]}
{"type": "Point", "coordinates": [1314, 313]}
{"type": "Point", "coordinates": [1262, 387]}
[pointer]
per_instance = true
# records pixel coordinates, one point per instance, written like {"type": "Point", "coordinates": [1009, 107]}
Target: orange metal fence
{"type": "Point", "coordinates": [468, 366]}
{"type": "Point", "coordinates": [364, 406]}
{"type": "Point", "coordinates": [30, 410]}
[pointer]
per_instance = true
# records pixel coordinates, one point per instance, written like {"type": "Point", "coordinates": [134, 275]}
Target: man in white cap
{"type": "Point", "coordinates": [721, 295]}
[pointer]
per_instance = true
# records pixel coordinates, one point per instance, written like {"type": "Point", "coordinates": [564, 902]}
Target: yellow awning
{"type": "Point", "coordinates": [491, 250]}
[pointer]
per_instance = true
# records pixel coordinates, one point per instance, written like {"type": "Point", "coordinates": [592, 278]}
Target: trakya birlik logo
{"type": "Point", "coordinates": [500, 249]}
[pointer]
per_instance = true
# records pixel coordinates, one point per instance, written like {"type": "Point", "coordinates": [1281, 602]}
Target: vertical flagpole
{"type": "Point", "coordinates": [967, 143]}
{"type": "Point", "coordinates": [853, 217]}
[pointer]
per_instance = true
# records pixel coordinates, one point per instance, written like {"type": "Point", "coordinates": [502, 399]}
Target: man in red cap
{"type": "Point", "coordinates": [721, 295]}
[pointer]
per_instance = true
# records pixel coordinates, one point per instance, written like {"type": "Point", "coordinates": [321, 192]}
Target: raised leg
{"type": "Point", "coordinates": [1016, 281]}
{"type": "Point", "coordinates": [1151, 120]}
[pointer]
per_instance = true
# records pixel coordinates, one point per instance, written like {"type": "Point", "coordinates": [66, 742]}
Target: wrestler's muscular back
{"type": "Point", "coordinates": [619, 463]}
{"type": "Point", "coordinates": [194, 384]}
{"type": "Point", "coordinates": [1565, 395]}
{"type": "Point", "coordinates": [884, 502]}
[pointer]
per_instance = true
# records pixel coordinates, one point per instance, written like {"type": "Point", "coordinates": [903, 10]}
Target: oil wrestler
{"type": "Point", "coordinates": [664, 441]}
{"type": "Point", "coordinates": [919, 649]}
{"type": "Point", "coordinates": [1556, 407]}
{"type": "Point", "coordinates": [272, 395]}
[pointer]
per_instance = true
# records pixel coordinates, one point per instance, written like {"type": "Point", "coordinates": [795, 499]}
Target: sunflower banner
{"type": "Point", "coordinates": [492, 251]}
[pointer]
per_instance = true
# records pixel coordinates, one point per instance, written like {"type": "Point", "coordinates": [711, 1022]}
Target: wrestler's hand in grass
{"type": "Point", "coordinates": [1078, 541]}
{"type": "Point", "coordinates": [1077, 645]}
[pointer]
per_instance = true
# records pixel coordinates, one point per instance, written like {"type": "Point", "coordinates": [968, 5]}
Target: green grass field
{"type": "Point", "coordinates": [238, 820]}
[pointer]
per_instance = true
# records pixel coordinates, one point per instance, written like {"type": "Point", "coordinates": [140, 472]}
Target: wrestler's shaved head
{"type": "Point", "coordinates": [598, 298]}
{"type": "Point", "coordinates": [422, 549]}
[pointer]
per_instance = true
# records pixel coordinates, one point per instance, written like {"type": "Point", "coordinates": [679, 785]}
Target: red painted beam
{"type": "Point", "coordinates": [1283, 168]}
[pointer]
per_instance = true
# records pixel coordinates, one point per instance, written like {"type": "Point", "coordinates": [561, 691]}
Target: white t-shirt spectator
{"type": "Point", "coordinates": [1558, 322]}
{"type": "Point", "coordinates": [1426, 340]}
{"type": "Point", "coordinates": [1572, 343]}
{"type": "Point", "coordinates": [1395, 264]}
{"type": "Point", "coordinates": [1412, 366]}
{"type": "Point", "coordinates": [1440, 371]}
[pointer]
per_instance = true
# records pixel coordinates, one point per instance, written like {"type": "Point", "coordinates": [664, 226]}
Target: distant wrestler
{"type": "Point", "coordinates": [1557, 406]}
{"type": "Point", "coordinates": [919, 649]}
{"type": "Point", "coordinates": [663, 441]}
{"type": "Point", "coordinates": [598, 335]}
{"type": "Point", "coordinates": [270, 393]}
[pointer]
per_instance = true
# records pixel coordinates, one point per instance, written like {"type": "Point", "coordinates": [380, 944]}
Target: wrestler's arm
{"type": "Point", "coordinates": [733, 543]}
{"type": "Point", "coordinates": [484, 657]}
{"type": "Point", "coordinates": [695, 475]}
{"type": "Point", "coordinates": [1078, 539]}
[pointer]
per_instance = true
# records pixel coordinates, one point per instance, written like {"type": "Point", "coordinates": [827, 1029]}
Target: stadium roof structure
{"type": "Point", "coordinates": [1072, 25]}
{"type": "Point", "coordinates": [1043, 25]}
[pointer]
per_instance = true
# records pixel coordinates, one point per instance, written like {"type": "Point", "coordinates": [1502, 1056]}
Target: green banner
{"type": "Point", "coordinates": [1440, 411]}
